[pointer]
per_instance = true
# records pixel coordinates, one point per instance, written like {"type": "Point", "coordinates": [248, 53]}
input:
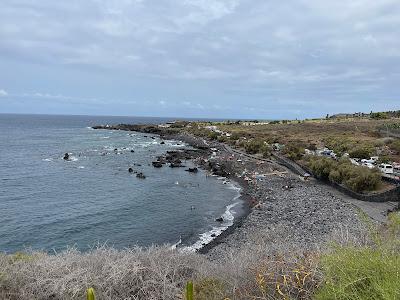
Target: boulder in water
{"type": "Point", "coordinates": [130, 170]}
{"type": "Point", "coordinates": [66, 156]}
{"type": "Point", "coordinates": [176, 165]}
{"type": "Point", "coordinates": [157, 164]}
{"type": "Point", "coordinates": [192, 170]}
{"type": "Point", "coordinates": [220, 219]}
{"type": "Point", "coordinates": [140, 175]}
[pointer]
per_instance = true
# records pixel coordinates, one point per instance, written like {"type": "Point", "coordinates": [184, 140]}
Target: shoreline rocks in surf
{"type": "Point", "coordinates": [200, 155]}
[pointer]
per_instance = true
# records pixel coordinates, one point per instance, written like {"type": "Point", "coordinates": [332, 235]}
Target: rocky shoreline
{"type": "Point", "coordinates": [283, 212]}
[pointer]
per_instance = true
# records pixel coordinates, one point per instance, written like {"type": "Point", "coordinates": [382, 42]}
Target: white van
{"type": "Point", "coordinates": [386, 168]}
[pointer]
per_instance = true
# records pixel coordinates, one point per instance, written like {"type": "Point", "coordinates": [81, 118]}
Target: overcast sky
{"type": "Point", "coordinates": [199, 58]}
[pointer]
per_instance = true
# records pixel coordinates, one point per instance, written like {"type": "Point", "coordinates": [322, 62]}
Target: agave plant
{"type": "Point", "coordinates": [90, 294]}
{"type": "Point", "coordinates": [189, 290]}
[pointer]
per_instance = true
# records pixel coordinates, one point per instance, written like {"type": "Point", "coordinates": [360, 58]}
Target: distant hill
{"type": "Point", "coordinates": [372, 115]}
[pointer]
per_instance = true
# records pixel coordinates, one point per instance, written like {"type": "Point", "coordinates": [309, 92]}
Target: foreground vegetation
{"type": "Point", "coordinates": [366, 268]}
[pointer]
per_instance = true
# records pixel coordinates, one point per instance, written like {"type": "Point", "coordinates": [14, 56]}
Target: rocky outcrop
{"type": "Point", "coordinates": [140, 175]}
{"type": "Point", "coordinates": [217, 169]}
{"type": "Point", "coordinates": [153, 129]}
{"type": "Point", "coordinates": [157, 164]}
{"type": "Point", "coordinates": [177, 164]}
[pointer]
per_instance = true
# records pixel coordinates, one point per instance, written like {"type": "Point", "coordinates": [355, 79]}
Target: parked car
{"type": "Point", "coordinates": [396, 168]}
{"type": "Point", "coordinates": [374, 158]}
{"type": "Point", "coordinates": [368, 161]}
{"type": "Point", "coordinates": [368, 165]}
{"type": "Point", "coordinates": [354, 162]}
{"type": "Point", "coordinates": [386, 168]}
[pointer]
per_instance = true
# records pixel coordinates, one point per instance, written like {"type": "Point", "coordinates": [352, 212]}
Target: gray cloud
{"type": "Point", "coordinates": [275, 50]}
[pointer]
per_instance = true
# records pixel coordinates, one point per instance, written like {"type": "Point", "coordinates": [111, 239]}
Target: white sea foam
{"type": "Point", "coordinates": [47, 159]}
{"type": "Point", "coordinates": [174, 145]}
{"type": "Point", "coordinates": [81, 167]}
{"type": "Point", "coordinates": [228, 216]}
{"type": "Point", "coordinates": [174, 246]}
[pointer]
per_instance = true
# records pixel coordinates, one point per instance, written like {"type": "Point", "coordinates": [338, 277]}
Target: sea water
{"type": "Point", "coordinates": [48, 203]}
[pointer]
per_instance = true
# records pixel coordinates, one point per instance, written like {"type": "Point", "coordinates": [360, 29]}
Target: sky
{"type": "Point", "coordinates": [264, 59]}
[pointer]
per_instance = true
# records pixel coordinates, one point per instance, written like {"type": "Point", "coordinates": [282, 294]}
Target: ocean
{"type": "Point", "coordinates": [49, 204]}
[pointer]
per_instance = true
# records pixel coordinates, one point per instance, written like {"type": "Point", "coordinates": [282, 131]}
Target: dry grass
{"type": "Point", "coordinates": [360, 129]}
{"type": "Point", "coordinates": [249, 273]}
{"type": "Point", "coordinates": [156, 273]}
{"type": "Point", "coordinates": [354, 133]}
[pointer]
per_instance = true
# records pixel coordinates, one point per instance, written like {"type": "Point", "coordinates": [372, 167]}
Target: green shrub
{"type": "Point", "coordinates": [356, 178]}
{"type": "Point", "coordinates": [338, 145]}
{"type": "Point", "coordinates": [294, 150]}
{"type": "Point", "coordinates": [241, 144]}
{"type": "Point", "coordinates": [363, 179]}
{"type": "Point", "coordinates": [275, 122]}
{"type": "Point", "coordinates": [222, 139]}
{"type": "Point", "coordinates": [321, 166]}
{"type": "Point", "coordinates": [360, 273]}
{"type": "Point", "coordinates": [312, 146]}
{"type": "Point", "coordinates": [235, 136]}
{"type": "Point", "coordinates": [254, 146]}
{"type": "Point", "coordinates": [394, 223]}
{"type": "Point", "coordinates": [383, 160]}
{"type": "Point", "coordinates": [342, 171]}
{"type": "Point", "coordinates": [265, 151]}
{"type": "Point", "coordinates": [213, 135]}
{"type": "Point", "coordinates": [361, 152]}
{"type": "Point", "coordinates": [395, 146]}
{"type": "Point", "coordinates": [379, 115]}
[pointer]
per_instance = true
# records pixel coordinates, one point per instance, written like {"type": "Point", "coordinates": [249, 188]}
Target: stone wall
{"type": "Point", "coordinates": [392, 195]}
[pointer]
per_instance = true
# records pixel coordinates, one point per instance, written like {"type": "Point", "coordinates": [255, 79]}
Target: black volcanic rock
{"type": "Point", "coordinates": [157, 164]}
{"type": "Point", "coordinates": [176, 165]}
